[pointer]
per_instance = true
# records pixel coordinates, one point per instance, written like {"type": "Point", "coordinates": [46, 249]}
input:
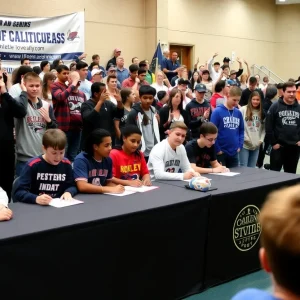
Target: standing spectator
{"type": "Point", "coordinates": [96, 61]}
{"type": "Point", "coordinates": [67, 101]}
{"type": "Point", "coordinates": [283, 130]}
{"type": "Point", "coordinates": [247, 92]}
{"type": "Point", "coordinates": [146, 118]}
{"type": "Point", "coordinates": [198, 110]}
{"type": "Point", "coordinates": [85, 85]}
{"type": "Point", "coordinates": [15, 91]}
{"type": "Point", "coordinates": [195, 79]}
{"type": "Point", "coordinates": [150, 77]}
{"type": "Point", "coordinates": [271, 97]}
{"type": "Point", "coordinates": [230, 124]}
{"type": "Point", "coordinates": [97, 75]}
{"type": "Point", "coordinates": [48, 80]}
{"type": "Point", "coordinates": [122, 73]}
{"type": "Point", "coordinates": [162, 97]}
{"type": "Point", "coordinates": [9, 109]}
{"type": "Point", "coordinates": [135, 60]}
{"type": "Point", "coordinates": [31, 127]}
{"type": "Point", "coordinates": [45, 67]}
{"type": "Point", "coordinates": [113, 61]}
{"type": "Point", "coordinates": [207, 81]}
{"type": "Point", "coordinates": [113, 91]}
{"type": "Point", "coordinates": [159, 85]}
{"type": "Point", "coordinates": [172, 112]}
{"type": "Point", "coordinates": [112, 71]}
{"type": "Point", "coordinates": [170, 66]}
{"type": "Point", "coordinates": [25, 62]}
{"type": "Point", "coordinates": [221, 92]}
{"type": "Point", "coordinates": [128, 98]}
{"type": "Point", "coordinates": [253, 116]}
{"type": "Point", "coordinates": [131, 81]}
{"type": "Point", "coordinates": [214, 70]}
{"type": "Point", "coordinates": [100, 112]}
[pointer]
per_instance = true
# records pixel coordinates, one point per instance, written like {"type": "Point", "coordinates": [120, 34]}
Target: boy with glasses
{"type": "Point", "coordinates": [202, 153]}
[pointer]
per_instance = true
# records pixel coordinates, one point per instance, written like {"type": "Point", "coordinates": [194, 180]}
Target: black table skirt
{"type": "Point", "coordinates": [153, 254]}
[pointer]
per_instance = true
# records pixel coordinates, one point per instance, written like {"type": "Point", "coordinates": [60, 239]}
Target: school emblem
{"type": "Point", "coordinates": [246, 228]}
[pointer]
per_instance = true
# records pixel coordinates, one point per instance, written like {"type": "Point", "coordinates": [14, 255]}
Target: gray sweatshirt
{"type": "Point", "coordinates": [254, 129]}
{"type": "Point", "coordinates": [31, 128]}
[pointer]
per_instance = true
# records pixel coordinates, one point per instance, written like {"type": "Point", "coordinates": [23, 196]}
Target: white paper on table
{"type": "Point", "coordinates": [57, 202]}
{"type": "Point", "coordinates": [140, 189]}
{"type": "Point", "coordinates": [229, 174]}
{"type": "Point", "coordinates": [125, 193]}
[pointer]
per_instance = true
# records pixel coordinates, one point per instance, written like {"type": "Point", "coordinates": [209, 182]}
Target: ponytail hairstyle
{"type": "Point", "coordinates": [127, 131]}
{"type": "Point", "coordinates": [125, 93]}
{"type": "Point", "coordinates": [95, 138]}
{"type": "Point", "coordinates": [146, 90]}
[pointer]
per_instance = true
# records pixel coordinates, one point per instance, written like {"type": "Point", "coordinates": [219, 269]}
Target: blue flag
{"type": "Point", "coordinates": [156, 60]}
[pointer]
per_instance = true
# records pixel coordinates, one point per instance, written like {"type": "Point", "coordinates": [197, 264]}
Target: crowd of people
{"type": "Point", "coordinates": [88, 129]}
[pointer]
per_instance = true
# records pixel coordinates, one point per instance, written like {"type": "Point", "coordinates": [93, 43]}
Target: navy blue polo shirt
{"type": "Point", "coordinates": [169, 65]}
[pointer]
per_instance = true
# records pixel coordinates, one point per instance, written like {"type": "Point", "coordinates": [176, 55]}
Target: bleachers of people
{"type": "Point", "coordinates": [94, 107]}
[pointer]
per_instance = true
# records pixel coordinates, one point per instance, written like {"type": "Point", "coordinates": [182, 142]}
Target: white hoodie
{"type": "Point", "coordinates": [164, 163]}
{"type": "Point", "coordinates": [3, 197]}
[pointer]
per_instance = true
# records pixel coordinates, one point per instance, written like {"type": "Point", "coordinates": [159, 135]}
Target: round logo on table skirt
{"type": "Point", "coordinates": [246, 228]}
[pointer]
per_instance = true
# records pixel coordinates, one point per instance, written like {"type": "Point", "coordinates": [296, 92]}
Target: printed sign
{"type": "Point", "coordinates": [40, 39]}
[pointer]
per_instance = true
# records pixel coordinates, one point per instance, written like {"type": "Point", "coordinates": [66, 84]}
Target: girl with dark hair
{"type": "Point", "coordinates": [195, 79]}
{"type": "Point", "coordinates": [128, 98]}
{"type": "Point", "coordinates": [254, 135]}
{"type": "Point", "coordinates": [129, 165]}
{"type": "Point", "coordinates": [48, 80]}
{"type": "Point", "coordinates": [207, 81]}
{"type": "Point", "coordinates": [93, 168]}
{"type": "Point", "coordinates": [15, 91]}
{"type": "Point", "coordinates": [172, 112]}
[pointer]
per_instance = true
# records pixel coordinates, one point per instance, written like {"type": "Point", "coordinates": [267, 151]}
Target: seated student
{"type": "Point", "coordinates": [168, 157]}
{"type": "Point", "coordinates": [129, 165]}
{"type": "Point", "coordinates": [5, 213]}
{"type": "Point", "coordinates": [49, 175]}
{"type": "Point", "coordinates": [280, 249]}
{"type": "Point", "coordinates": [202, 153]}
{"type": "Point", "coordinates": [93, 168]}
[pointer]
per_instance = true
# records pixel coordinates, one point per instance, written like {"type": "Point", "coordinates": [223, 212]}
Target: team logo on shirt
{"type": "Point", "coordinates": [36, 124]}
{"type": "Point", "coordinates": [246, 228]}
{"type": "Point", "coordinates": [231, 122]}
{"type": "Point", "coordinates": [289, 117]}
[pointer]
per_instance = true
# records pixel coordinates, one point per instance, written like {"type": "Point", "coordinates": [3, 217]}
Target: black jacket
{"type": "Point", "coordinates": [10, 108]}
{"type": "Point", "coordinates": [283, 123]}
{"type": "Point", "coordinates": [164, 117]}
{"type": "Point", "coordinates": [103, 119]}
{"type": "Point", "coordinates": [246, 95]}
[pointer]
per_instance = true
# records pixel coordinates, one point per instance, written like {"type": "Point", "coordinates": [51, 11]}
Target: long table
{"type": "Point", "coordinates": [233, 229]}
{"type": "Point", "coordinates": [164, 244]}
{"type": "Point", "coordinates": [143, 246]}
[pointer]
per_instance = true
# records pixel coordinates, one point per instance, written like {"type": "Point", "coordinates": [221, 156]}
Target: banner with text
{"type": "Point", "coordinates": [40, 39]}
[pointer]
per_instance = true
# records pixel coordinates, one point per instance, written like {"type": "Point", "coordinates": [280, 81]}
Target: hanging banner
{"type": "Point", "coordinates": [41, 39]}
